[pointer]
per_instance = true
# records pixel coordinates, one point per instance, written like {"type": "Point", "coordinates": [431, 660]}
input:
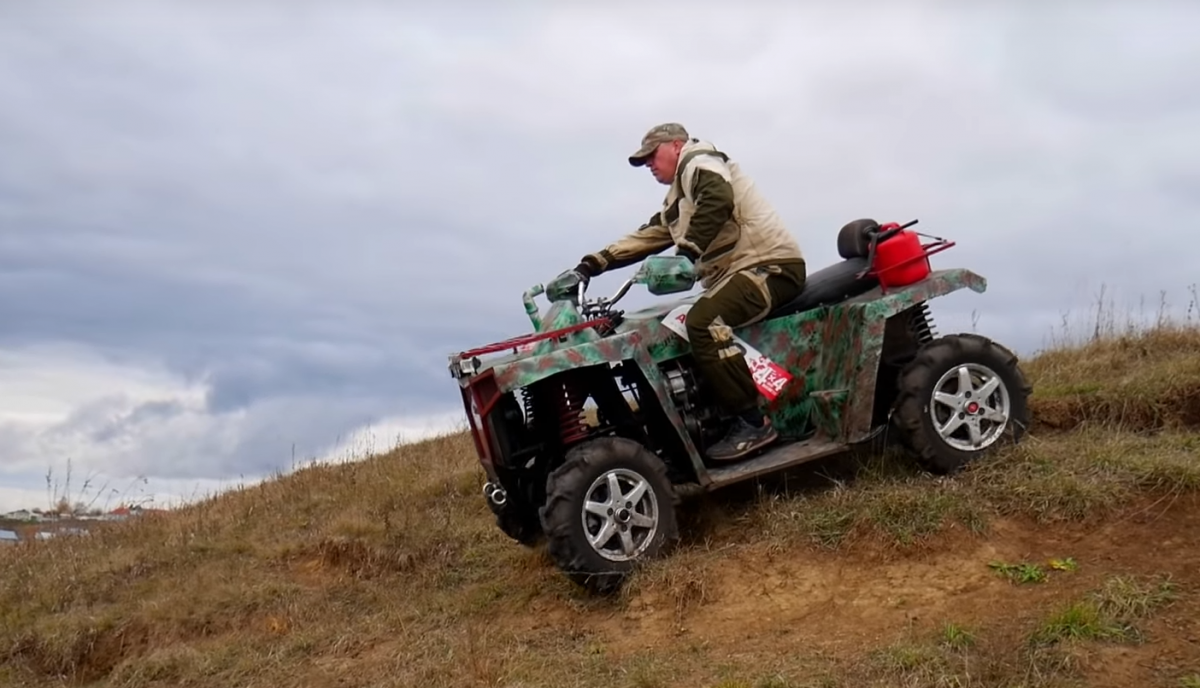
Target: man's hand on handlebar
{"type": "Point", "coordinates": [567, 284]}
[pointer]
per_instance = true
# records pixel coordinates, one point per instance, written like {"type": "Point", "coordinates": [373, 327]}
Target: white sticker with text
{"type": "Point", "coordinates": [768, 376]}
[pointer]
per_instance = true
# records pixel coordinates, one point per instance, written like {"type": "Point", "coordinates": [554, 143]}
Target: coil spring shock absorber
{"type": "Point", "coordinates": [527, 402]}
{"type": "Point", "coordinates": [922, 325]}
{"type": "Point", "coordinates": [570, 412]}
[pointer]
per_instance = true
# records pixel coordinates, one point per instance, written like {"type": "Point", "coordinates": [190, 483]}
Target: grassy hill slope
{"type": "Point", "coordinates": [1073, 559]}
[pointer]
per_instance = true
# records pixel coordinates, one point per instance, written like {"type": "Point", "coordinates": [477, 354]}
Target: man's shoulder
{"type": "Point", "coordinates": [698, 156]}
{"type": "Point", "coordinates": [697, 149]}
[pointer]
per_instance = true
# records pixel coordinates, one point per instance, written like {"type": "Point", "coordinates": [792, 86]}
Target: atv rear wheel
{"type": "Point", "coordinates": [958, 397]}
{"type": "Point", "coordinates": [608, 507]}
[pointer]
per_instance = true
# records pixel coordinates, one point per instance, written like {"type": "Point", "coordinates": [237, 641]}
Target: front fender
{"type": "Point", "coordinates": [624, 347]}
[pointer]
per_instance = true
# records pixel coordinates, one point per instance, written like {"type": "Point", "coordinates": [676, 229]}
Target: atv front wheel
{"type": "Point", "coordinates": [608, 507]}
{"type": "Point", "coordinates": [958, 398]}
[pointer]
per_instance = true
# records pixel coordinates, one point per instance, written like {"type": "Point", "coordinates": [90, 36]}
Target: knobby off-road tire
{"type": "Point", "coordinates": [646, 508]}
{"type": "Point", "coordinates": [930, 400]}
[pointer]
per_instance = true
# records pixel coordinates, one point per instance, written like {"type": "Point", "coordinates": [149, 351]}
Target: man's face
{"type": "Point", "coordinates": [664, 160]}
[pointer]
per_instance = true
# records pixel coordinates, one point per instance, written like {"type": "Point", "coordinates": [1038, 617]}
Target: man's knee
{"type": "Point", "coordinates": [709, 333]}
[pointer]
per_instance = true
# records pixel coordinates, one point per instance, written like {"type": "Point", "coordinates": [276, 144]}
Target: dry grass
{"type": "Point", "coordinates": [1132, 374]}
{"type": "Point", "coordinates": [389, 571]}
{"type": "Point", "coordinates": [1088, 476]}
{"type": "Point", "coordinates": [1048, 654]}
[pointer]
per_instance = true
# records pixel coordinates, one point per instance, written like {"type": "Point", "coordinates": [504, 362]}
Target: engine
{"type": "Point", "coordinates": [699, 417]}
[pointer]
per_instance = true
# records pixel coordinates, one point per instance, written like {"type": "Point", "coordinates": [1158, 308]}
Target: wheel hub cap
{"type": "Point", "coordinates": [620, 515]}
{"type": "Point", "coordinates": [970, 408]}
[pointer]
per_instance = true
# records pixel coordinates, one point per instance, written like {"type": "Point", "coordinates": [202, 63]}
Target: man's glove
{"type": "Point", "coordinates": [681, 251]}
{"type": "Point", "coordinates": [566, 285]}
{"type": "Point", "coordinates": [689, 270]}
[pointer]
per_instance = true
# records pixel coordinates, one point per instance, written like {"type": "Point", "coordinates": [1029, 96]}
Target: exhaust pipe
{"type": "Point", "coordinates": [495, 494]}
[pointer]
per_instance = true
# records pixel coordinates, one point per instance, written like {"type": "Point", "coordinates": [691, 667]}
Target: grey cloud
{"type": "Point", "coordinates": [309, 213]}
{"type": "Point", "coordinates": [265, 442]}
{"type": "Point", "coordinates": [1115, 63]}
{"type": "Point", "coordinates": [165, 439]}
{"type": "Point", "coordinates": [102, 421]}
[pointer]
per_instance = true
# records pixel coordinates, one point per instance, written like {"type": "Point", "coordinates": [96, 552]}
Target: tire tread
{"type": "Point", "coordinates": [916, 381]}
{"type": "Point", "coordinates": [560, 520]}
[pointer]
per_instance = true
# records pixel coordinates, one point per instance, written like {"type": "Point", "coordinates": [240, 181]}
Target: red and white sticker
{"type": "Point", "coordinates": [769, 376]}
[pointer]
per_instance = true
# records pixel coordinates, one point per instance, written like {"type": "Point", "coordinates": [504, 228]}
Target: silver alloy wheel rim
{"type": "Point", "coordinates": [975, 414]}
{"type": "Point", "coordinates": [620, 515]}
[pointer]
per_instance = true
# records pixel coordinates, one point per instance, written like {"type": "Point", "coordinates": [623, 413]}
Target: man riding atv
{"type": "Point", "coordinates": [743, 256]}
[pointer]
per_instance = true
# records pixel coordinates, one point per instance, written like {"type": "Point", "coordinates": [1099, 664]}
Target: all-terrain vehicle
{"type": "Point", "coordinates": [853, 354]}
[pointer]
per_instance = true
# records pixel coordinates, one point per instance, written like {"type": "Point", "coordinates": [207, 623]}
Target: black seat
{"type": "Point", "coordinates": [829, 286]}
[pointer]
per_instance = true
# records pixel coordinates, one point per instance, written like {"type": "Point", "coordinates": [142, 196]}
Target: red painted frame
{"type": "Point", "coordinates": [531, 338]}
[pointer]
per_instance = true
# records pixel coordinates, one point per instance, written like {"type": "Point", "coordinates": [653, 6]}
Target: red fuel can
{"type": "Point", "coordinates": [901, 260]}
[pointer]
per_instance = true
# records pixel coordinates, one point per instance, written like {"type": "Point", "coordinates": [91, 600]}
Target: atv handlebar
{"type": "Point", "coordinates": [660, 274]}
{"type": "Point", "coordinates": [589, 309]}
{"type": "Point", "coordinates": [601, 305]}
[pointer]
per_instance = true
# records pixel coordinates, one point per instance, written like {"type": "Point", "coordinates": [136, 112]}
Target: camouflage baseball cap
{"type": "Point", "coordinates": [663, 133]}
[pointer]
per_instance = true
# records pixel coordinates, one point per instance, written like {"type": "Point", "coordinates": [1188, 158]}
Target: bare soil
{"type": "Point", "coordinates": [836, 604]}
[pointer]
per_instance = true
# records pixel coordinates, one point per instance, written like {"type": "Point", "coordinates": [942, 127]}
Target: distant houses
{"type": "Point", "coordinates": [24, 515]}
{"type": "Point", "coordinates": [36, 516]}
{"type": "Point", "coordinates": [39, 525]}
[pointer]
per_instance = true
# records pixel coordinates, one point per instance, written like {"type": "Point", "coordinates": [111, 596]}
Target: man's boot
{"type": "Point", "coordinates": [750, 432]}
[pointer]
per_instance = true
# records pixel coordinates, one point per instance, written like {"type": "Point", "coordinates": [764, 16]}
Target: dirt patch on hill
{"type": "Point", "coordinates": [1176, 409]}
{"type": "Point", "coordinates": [842, 603]}
{"type": "Point", "coordinates": [1144, 381]}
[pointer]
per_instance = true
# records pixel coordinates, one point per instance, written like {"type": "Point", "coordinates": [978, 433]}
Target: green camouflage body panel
{"type": "Point", "coordinates": [832, 352]}
{"type": "Point", "coordinates": [531, 308]}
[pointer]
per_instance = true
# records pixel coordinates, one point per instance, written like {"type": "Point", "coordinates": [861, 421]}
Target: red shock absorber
{"type": "Point", "coordinates": [570, 406]}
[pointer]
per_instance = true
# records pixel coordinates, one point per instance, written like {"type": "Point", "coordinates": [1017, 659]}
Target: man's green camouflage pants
{"type": "Point", "coordinates": [749, 296]}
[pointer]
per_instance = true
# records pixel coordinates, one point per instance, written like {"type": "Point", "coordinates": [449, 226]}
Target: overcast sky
{"type": "Point", "coordinates": [230, 234]}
